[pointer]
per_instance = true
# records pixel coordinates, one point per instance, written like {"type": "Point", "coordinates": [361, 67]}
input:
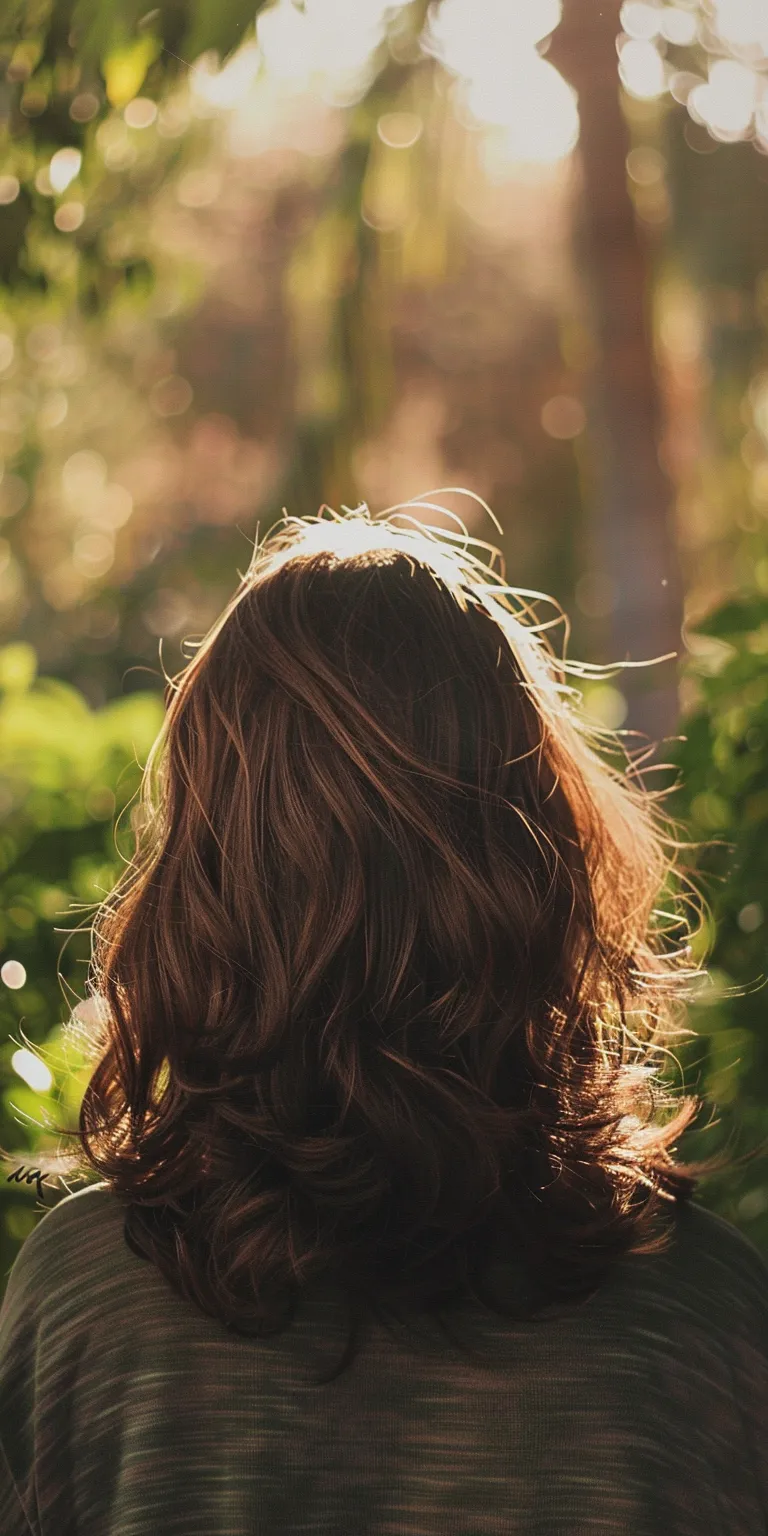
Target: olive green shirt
{"type": "Point", "coordinates": [124, 1411]}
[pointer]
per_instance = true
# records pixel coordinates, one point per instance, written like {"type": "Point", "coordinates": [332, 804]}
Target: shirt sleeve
{"type": "Point", "coordinates": [744, 1321]}
{"type": "Point", "coordinates": [749, 1363]}
{"type": "Point", "coordinates": [13, 1520]}
{"type": "Point", "coordinates": [18, 1347]}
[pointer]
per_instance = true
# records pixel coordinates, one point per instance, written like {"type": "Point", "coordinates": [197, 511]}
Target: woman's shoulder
{"type": "Point", "coordinates": [93, 1205]}
{"type": "Point", "coordinates": [89, 1216]}
{"type": "Point", "coordinates": [704, 1237]}
{"type": "Point", "coordinates": [701, 1241]}
{"type": "Point", "coordinates": [710, 1274]}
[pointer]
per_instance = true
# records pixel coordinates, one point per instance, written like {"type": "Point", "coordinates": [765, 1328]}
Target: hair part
{"type": "Point", "coordinates": [384, 991]}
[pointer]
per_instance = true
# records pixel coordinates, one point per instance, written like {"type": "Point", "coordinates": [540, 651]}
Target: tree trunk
{"type": "Point", "coordinates": [634, 511]}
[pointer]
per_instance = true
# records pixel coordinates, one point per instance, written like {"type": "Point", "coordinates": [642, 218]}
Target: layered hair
{"type": "Point", "coordinates": [385, 989]}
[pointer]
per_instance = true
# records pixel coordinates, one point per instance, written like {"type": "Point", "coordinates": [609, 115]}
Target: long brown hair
{"type": "Point", "coordinates": [385, 983]}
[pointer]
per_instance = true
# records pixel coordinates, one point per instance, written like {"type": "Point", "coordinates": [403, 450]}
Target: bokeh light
{"type": "Point", "coordinates": [34, 1071]}
{"type": "Point", "coordinates": [751, 917]}
{"type": "Point", "coordinates": [596, 594]}
{"type": "Point", "coordinates": [69, 217]}
{"type": "Point", "coordinates": [744, 23]}
{"type": "Point", "coordinates": [400, 130]}
{"type": "Point", "coordinates": [727, 100]}
{"type": "Point", "coordinates": [13, 975]}
{"type": "Point", "coordinates": [84, 107]}
{"type": "Point", "coordinates": [63, 168]}
{"type": "Point", "coordinates": [642, 69]}
{"type": "Point", "coordinates": [641, 20]}
{"type": "Point", "coordinates": [563, 417]}
{"type": "Point", "coordinates": [140, 113]}
{"type": "Point", "coordinates": [605, 705]}
{"type": "Point", "coordinates": [679, 26]}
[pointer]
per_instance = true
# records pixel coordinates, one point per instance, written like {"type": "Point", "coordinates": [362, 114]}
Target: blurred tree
{"type": "Point", "coordinates": [632, 502]}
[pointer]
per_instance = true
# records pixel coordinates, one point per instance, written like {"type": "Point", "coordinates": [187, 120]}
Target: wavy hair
{"type": "Point", "coordinates": [383, 992]}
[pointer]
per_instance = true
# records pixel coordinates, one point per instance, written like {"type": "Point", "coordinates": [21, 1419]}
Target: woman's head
{"type": "Point", "coordinates": [385, 979]}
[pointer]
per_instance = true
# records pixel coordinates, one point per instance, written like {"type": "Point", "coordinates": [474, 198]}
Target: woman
{"type": "Point", "coordinates": [382, 1000]}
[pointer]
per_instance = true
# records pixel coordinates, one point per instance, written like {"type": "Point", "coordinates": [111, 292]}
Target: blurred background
{"type": "Point", "coordinates": [266, 257]}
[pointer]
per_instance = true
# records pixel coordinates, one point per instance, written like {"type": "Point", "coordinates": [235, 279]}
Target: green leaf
{"type": "Point", "coordinates": [18, 667]}
{"type": "Point", "coordinates": [219, 24]}
{"type": "Point", "coordinates": [124, 69]}
{"type": "Point", "coordinates": [735, 618]}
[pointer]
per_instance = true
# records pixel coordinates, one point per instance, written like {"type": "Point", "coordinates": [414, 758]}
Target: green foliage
{"type": "Point", "coordinates": [724, 761]}
{"type": "Point", "coordinates": [95, 30]}
{"type": "Point", "coordinates": [219, 24]}
{"type": "Point", "coordinates": [69, 73]}
{"type": "Point", "coordinates": [723, 803]}
{"type": "Point", "coordinates": [66, 775]}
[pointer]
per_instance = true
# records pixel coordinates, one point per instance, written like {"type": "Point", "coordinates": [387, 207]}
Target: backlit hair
{"type": "Point", "coordinates": [385, 988]}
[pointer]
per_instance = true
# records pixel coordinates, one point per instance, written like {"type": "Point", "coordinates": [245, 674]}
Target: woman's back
{"type": "Point", "coordinates": [124, 1411]}
{"type": "Point", "coordinates": [390, 980]}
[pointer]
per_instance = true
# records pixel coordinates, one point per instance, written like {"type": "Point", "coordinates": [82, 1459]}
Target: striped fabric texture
{"type": "Point", "coordinates": [124, 1411]}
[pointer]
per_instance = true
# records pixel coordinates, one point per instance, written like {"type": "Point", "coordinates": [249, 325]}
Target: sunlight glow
{"type": "Point", "coordinates": [353, 537]}
{"type": "Point", "coordinates": [458, 31]}
{"type": "Point", "coordinates": [726, 102]}
{"type": "Point", "coordinates": [334, 38]}
{"type": "Point", "coordinates": [228, 86]}
{"type": "Point", "coordinates": [509, 85]}
{"type": "Point", "coordinates": [743, 23]}
{"type": "Point", "coordinates": [535, 105]}
{"type": "Point", "coordinates": [33, 1070]}
{"type": "Point", "coordinates": [334, 48]}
